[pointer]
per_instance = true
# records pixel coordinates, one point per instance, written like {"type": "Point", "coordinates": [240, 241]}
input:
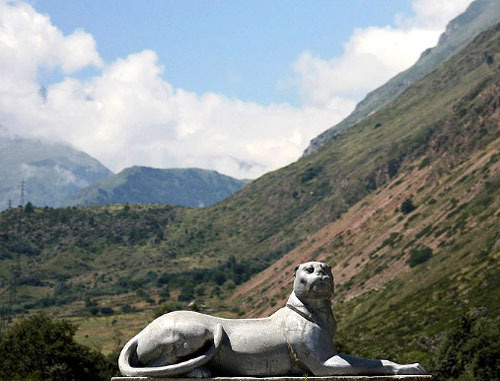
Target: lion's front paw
{"type": "Point", "coordinates": [414, 368]}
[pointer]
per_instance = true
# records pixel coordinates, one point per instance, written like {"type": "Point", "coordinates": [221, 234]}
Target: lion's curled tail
{"type": "Point", "coordinates": [129, 350]}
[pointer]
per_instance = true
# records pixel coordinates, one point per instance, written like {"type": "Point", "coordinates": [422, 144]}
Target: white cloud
{"type": "Point", "coordinates": [129, 115]}
{"type": "Point", "coordinates": [374, 55]}
{"type": "Point", "coordinates": [28, 41]}
{"type": "Point", "coordinates": [434, 14]}
{"type": "Point", "coordinates": [63, 177]}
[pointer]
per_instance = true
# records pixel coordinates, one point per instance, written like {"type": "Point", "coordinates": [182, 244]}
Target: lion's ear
{"type": "Point", "coordinates": [295, 270]}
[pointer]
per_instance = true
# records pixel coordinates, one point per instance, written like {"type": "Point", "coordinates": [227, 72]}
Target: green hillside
{"type": "Point", "coordinates": [443, 131]}
{"type": "Point", "coordinates": [479, 16]}
{"type": "Point", "coordinates": [187, 187]}
{"type": "Point", "coordinates": [447, 116]}
{"type": "Point", "coordinates": [413, 260]}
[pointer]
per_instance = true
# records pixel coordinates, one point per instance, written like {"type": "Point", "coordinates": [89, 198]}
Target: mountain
{"type": "Point", "coordinates": [479, 16]}
{"type": "Point", "coordinates": [188, 187]}
{"type": "Point", "coordinates": [404, 205]}
{"type": "Point", "coordinates": [52, 172]}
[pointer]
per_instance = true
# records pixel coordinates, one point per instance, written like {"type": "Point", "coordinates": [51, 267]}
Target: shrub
{"type": "Point", "coordinates": [229, 285]}
{"type": "Point", "coordinates": [407, 206]}
{"type": "Point", "coordinates": [462, 112]}
{"type": "Point", "coordinates": [29, 208]}
{"type": "Point", "coordinates": [469, 351]}
{"type": "Point", "coordinates": [418, 256]}
{"type": "Point", "coordinates": [424, 163]}
{"type": "Point", "coordinates": [187, 293]}
{"type": "Point", "coordinates": [164, 309]}
{"type": "Point", "coordinates": [127, 308]}
{"type": "Point", "coordinates": [310, 173]}
{"type": "Point", "coordinates": [107, 311]}
{"type": "Point", "coordinates": [40, 348]}
{"type": "Point", "coordinates": [220, 278]}
{"type": "Point", "coordinates": [200, 290]}
{"type": "Point", "coordinates": [165, 292]}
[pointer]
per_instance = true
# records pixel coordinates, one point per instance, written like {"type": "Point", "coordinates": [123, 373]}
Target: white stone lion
{"type": "Point", "coordinates": [297, 339]}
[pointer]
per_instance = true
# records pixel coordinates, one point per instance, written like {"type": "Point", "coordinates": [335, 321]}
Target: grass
{"type": "Point", "coordinates": [108, 334]}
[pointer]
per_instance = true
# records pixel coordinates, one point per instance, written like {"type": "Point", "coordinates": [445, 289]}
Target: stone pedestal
{"type": "Point", "coordinates": [285, 378]}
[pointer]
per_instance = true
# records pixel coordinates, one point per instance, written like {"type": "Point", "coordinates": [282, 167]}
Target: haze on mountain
{"type": "Point", "coordinates": [479, 16]}
{"type": "Point", "coordinates": [187, 187]}
{"type": "Point", "coordinates": [55, 174]}
{"type": "Point", "coordinates": [51, 172]}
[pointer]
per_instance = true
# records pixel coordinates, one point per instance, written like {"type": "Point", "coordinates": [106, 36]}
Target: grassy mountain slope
{"type": "Point", "coordinates": [404, 277]}
{"type": "Point", "coordinates": [447, 116]}
{"type": "Point", "coordinates": [52, 172]}
{"type": "Point", "coordinates": [479, 16]}
{"type": "Point", "coordinates": [438, 142]}
{"type": "Point", "coordinates": [187, 187]}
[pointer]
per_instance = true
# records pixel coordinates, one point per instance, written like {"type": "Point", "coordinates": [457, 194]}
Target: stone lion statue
{"type": "Point", "coordinates": [299, 338]}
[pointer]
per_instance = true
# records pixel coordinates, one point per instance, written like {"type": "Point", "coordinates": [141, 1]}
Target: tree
{"type": "Point", "coordinates": [29, 208]}
{"type": "Point", "coordinates": [164, 309]}
{"type": "Point", "coordinates": [407, 206]}
{"type": "Point", "coordinates": [420, 255]}
{"type": "Point", "coordinates": [469, 351]}
{"type": "Point", "coordinates": [41, 348]}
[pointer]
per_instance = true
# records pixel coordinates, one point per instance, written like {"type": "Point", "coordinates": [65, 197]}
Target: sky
{"type": "Point", "coordinates": [236, 86]}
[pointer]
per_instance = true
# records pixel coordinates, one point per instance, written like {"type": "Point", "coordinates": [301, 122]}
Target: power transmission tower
{"type": "Point", "coordinates": [10, 203]}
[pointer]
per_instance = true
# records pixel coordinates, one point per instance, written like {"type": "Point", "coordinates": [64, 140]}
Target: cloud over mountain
{"type": "Point", "coordinates": [373, 55]}
{"type": "Point", "coordinates": [128, 114]}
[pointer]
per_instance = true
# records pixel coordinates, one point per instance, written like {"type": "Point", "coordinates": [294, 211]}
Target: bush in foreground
{"type": "Point", "coordinates": [42, 348]}
{"type": "Point", "coordinates": [469, 352]}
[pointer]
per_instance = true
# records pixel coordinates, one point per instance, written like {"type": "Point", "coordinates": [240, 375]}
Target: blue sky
{"type": "Point", "coordinates": [238, 48]}
{"type": "Point", "coordinates": [236, 86]}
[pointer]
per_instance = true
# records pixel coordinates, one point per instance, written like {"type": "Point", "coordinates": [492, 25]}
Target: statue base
{"type": "Point", "coordinates": [286, 378]}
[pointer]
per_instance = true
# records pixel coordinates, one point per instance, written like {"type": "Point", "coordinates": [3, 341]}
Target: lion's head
{"type": "Point", "coordinates": [313, 280]}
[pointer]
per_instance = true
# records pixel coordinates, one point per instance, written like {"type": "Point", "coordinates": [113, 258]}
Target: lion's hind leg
{"type": "Point", "coordinates": [171, 342]}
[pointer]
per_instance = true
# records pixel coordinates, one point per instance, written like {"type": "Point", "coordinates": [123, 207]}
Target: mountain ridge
{"type": "Point", "coordinates": [191, 187]}
{"type": "Point", "coordinates": [479, 16]}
